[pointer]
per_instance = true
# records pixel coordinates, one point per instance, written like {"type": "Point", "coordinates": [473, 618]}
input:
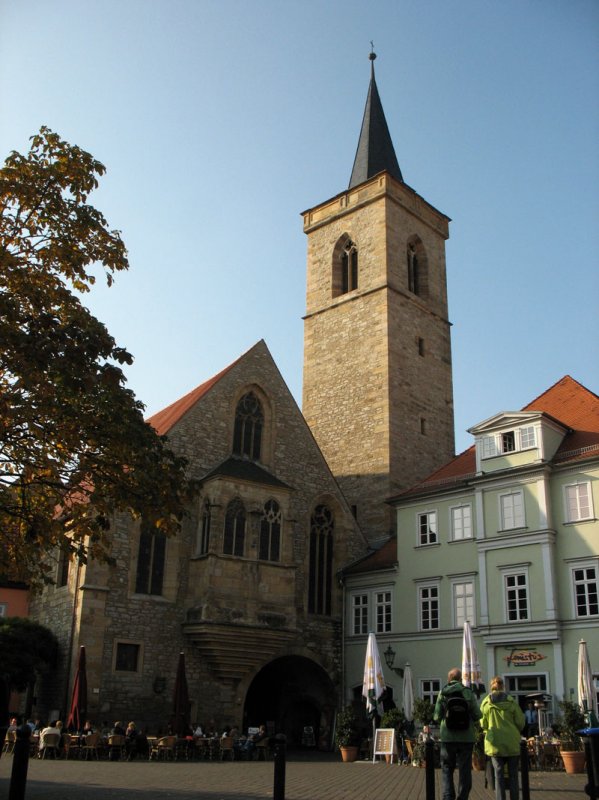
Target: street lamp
{"type": "Point", "coordinates": [390, 658]}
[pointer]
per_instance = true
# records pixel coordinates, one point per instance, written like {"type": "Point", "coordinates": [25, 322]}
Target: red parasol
{"type": "Point", "coordinates": [78, 712]}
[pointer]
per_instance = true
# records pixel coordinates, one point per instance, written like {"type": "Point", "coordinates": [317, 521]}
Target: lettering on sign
{"type": "Point", "coordinates": [384, 743]}
{"type": "Point", "coordinates": [523, 658]}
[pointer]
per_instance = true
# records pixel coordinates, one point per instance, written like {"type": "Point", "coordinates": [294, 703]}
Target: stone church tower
{"type": "Point", "coordinates": [377, 389]}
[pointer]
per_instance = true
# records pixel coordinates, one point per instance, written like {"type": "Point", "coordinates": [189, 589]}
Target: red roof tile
{"type": "Point", "coordinates": [383, 558]}
{"type": "Point", "coordinates": [568, 402]}
{"type": "Point", "coordinates": [164, 420]}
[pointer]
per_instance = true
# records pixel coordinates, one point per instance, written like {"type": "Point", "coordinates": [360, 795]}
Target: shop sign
{"type": "Point", "coordinates": [523, 658]}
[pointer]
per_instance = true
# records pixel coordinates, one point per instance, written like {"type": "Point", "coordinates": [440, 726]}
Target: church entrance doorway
{"type": "Point", "coordinates": [293, 695]}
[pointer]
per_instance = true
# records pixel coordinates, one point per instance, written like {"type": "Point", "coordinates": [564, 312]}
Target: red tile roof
{"type": "Point", "coordinates": [568, 402]}
{"type": "Point", "coordinates": [164, 420]}
{"type": "Point", "coordinates": [383, 558]}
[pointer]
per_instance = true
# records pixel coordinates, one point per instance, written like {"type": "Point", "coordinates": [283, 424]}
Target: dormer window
{"type": "Point", "coordinates": [508, 442]}
{"type": "Point", "coordinates": [527, 438]}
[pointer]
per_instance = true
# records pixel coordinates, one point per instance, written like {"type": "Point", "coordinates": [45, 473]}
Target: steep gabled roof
{"type": "Point", "coordinates": [164, 420]}
{"type": "Point", "coordinates": [567, 401]}
{"type": "Point", "coordinates": [246, 471]}
{"type": "Point", "coordinates": [375, 151]}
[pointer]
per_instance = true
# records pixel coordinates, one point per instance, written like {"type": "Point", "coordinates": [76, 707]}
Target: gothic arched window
{"type": "Point", "coordinates": [320, 574]}
{"type": "Point", "coordinates": [249, 422]}
{"type": "Point", "coordinates": [234, 538]}
{"type": "Point", "coordinates": [417, 267]}
{"type": "Point", "coordinates": [413, 270]}
{"type": "Point", "coordinates": [150, 562]}
{"type": "Point", "coordinates": [270, 532]}
{"type": "Point", "coordinates": [349, 267]}
{"type": "Point", "coordinates": [204, 529]}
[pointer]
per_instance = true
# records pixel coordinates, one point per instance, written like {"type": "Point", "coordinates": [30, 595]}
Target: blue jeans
{"type": "Point", "coordinates": [512, 767]}
{"type": "Point", "coordinates": [456, 754]}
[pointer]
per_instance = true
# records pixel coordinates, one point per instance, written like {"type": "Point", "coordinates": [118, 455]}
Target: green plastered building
{"type": "Point", "coordinates": [505, 536]}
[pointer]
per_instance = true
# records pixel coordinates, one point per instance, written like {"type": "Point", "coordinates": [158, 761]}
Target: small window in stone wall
{"type": "Point", "coordinates": [127, 657]}
{"type": "Point", "coordinates": [3, 609]}
{"type": "Point", "coordinates": [62, 573]}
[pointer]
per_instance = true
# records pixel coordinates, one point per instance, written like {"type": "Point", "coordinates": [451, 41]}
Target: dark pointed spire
{"type": "Point", "coordinates": [375, 151]}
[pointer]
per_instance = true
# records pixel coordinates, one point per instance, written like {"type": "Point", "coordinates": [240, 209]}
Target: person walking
{"type": "Point", "coordinates": [456, 710]}
{"type": "Point", "coordinates": [502, 722]}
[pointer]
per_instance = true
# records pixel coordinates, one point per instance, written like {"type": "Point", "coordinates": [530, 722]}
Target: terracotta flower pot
{"type": "Point", "coordinates": [349, 753]}
{"type": "Point", "coordinates": [573, 761]}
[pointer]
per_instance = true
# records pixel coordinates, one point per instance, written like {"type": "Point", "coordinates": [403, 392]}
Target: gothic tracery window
{"type": "Point", "coordinates": [249, 423]}
{"type": "Point", "coordinates": [270, 532]}
{"type": "Point", "coordinates": [349, 267]}
{"type": "Point", "coordinates": [320, 574]}
{"type": "Point", "coordinates": [413, 270]}
{"type": "Point", "coordinates": [204, 529]}
{"type": "Point", "coordinates": [234, 535]}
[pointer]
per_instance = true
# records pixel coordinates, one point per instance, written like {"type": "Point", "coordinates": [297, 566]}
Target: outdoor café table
{"type": "Point", "coordinates": [202, 745]}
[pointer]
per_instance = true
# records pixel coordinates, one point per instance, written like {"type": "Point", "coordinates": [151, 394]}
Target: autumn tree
{"type": "Point", "coordinates": [74, 446]}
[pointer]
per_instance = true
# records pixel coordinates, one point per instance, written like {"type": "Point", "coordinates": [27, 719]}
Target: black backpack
{"type": "Point", "coordinates": [457, 713]}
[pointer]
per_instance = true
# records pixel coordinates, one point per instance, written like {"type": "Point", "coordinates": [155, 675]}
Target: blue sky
{"type": "Point", "coordinates": [219, 121]}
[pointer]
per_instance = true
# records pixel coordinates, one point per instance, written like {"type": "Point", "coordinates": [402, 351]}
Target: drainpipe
{"type": "Point", "coordinates": [343, 692]}
{"type": "Point", "coordinates": [71, 640]}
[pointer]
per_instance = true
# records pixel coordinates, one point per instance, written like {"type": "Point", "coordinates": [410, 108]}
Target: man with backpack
{"type": "Point", "coordinates": [457, 711]}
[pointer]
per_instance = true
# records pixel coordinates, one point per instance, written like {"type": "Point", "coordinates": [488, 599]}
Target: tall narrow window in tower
{"type": "Point", "coordinates": [413, 270]}
{"type": "Point", "coordinates": [345, 266]}
{"type": "Point", "coordinates": [249, 422]}
{"type": "Point", "coordinates": [234, 538]}
{"type": "Point", "coordinates": [320, 573]}
{"type": "Point", "coordinates": [150, 562]}
{"type": "Point", "coordinates": [417, 267]}
{"type": "Point", "coordinates": [270, 532]}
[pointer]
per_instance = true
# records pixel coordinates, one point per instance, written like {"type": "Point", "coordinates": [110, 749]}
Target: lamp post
{"type": "Point", "coordinates": [390, 658]}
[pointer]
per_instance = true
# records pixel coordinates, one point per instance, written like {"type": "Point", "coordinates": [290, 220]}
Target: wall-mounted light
{"type": "Point", "coordinates": [159, 685]}
{"type": "Point", "coordinates": [390, 658]}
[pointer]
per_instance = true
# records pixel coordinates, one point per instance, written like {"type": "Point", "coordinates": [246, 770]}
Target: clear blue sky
{"type": "Point", "coordinates": [220, 121]}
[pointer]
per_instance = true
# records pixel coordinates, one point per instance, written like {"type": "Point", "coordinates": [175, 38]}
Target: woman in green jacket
{"type": "Point", "coordinates": [502, 721]}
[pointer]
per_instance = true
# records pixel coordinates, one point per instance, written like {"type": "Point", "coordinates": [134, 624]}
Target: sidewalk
{"type": "Point", "coordinates": [324, 778]}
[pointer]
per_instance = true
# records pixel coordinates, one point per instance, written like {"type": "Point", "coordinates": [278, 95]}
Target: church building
{"type": "Point", "coordinates": [250, 590]}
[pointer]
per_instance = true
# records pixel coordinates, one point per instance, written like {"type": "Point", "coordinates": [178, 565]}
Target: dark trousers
{"type": "Point", "coordinates": [456, 754]}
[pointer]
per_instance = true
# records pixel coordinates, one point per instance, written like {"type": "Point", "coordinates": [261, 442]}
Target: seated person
{"type": "Point", "coordinates": [118, 729]}
{"type": "Point", "coordinates": [52, 728]}
{"type": "Point", "coordinates": [198, 733]}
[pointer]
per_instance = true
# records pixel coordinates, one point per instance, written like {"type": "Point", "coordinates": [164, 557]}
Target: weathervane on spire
{"type": "Point", "coordinates": [372, 56]}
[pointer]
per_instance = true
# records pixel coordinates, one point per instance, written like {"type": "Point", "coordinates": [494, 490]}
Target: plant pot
{"type": "Point", "coordinates": [349, 753]}
{"type": "Point", "coordinates": [573, 761]}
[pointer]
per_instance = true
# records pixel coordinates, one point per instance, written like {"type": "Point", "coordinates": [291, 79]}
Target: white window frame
{"type": "Point", "coordinates": [515, 573]}
{"type": "Point", "coordinates": [453, 527]}
{"type": "Point", "coordinates": [427, 587]}
{"type": "Point", "coordinates": [359, 612]}
{"type": "Point", "coordinates": [488, 447]}
{"type": "Point", "coordinates": [3, 609]}
{"type": "Point", "coordinates": [433, 529]}
{"type": "Point", "coordinates": [583, 565]}
{"type": "Point", "coordinates": [579, 516]}
{"type": "Point", "coordinates": [469, 613]}
{"type": "Point", "coordinates": [519, 522]}
{"type": "Point", "coordinates": [508, 442]}
{"type": "Point", "coordinates": [429, 689]}
{"type": "Point", "coordinates": [376, 599]}
{"type": "Point", "coordinates": [528, 437]}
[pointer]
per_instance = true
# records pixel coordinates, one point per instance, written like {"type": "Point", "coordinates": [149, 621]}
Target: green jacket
{"type": "Point", "coordinates": [502, 721]}
{"type": "Point", "coordinates": [447, 735]}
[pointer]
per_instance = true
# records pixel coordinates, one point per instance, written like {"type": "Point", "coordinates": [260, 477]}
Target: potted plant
{"type": "Point", "coordinates": [347, 733]}
{"type": "Point", "coordinates": [571, 719]}
{"type": "Point", "coordinates": [424, 711]}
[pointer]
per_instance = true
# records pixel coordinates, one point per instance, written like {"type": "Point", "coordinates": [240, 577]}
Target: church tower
{"type": "Point", "coordinates": [377, 389]}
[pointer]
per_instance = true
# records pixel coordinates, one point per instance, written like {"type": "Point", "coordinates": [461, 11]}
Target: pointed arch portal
{"type": "Point", "coordinates": [294, 692]}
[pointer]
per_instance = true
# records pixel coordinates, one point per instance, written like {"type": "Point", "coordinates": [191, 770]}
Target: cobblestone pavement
{"type": "Point", "coordinates": [324, 778]}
